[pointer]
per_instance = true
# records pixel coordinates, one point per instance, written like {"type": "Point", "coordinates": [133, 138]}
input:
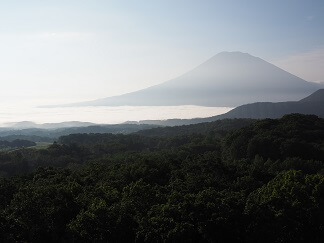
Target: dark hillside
{"type": "Point", "coordinates": [261, 180]}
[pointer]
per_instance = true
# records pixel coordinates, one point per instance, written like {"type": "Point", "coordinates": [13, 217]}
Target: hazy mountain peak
{"type": "Point", "coordinates": [229, 56]}
{"type": "Point", "coordinates": [227, 79]}
{"type": "Point", "coordinates": [233, 54]}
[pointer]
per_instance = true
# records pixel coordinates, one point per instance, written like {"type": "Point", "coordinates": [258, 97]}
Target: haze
{"type": "Point", "coordinates": [55, 52]}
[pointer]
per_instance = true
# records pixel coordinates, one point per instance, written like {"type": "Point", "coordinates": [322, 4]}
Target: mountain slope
{"type": "Point", "coordinates": [228, 79]}
{"type": "Point", "coordinates": [312, 105]}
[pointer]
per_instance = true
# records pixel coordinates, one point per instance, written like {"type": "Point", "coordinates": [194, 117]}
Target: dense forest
{"type": "Point", "coordinates": [16, 143]}
{"type": "Point", "coordinates": [233, 180]}
{"type": "Point", "coordinates": [52, 134]}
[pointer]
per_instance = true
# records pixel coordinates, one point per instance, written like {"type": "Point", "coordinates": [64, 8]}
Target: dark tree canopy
{"type": "Point", "coordinates": [210, 182]}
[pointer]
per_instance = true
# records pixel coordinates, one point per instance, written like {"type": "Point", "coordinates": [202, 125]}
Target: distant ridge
{"type": "Point", "coordinates": [51, 134]}
{"type": "Point", "coordinates": [29, 124]}
{"type": "Point", "coordinates": [228, 79]}
{"type": "Point", "coordinates": [311, 105]}
{"type": "Point", "coordinates": [317, 96]}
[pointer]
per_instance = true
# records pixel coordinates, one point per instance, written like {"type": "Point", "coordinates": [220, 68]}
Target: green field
{"type": "Point", "coordinates": [41, 145]}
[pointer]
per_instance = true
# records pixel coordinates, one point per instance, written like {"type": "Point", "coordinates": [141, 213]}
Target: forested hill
{"type": "Point", "coordinates": [50, 135]}
{"type": "Point", "coordinates": [260, 181]}
{"type": "Point", "coordinates": [220, 127]}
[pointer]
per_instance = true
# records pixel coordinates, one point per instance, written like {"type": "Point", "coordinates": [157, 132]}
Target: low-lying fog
{"type": "Point", "coordinates": [104, 115]}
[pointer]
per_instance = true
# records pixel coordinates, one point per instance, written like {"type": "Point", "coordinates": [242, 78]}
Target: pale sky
{"type": "Point", "coordinates": [58, 51]}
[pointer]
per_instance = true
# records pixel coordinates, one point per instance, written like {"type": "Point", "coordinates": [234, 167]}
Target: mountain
{"type": "Point", "coordinates": [312, 105]}
{"type": "Point", "coordinates": [21, 125]}
{"type": "Point", "coordinates": [69, 124]}
{"type": "Point", "coordinates": [29, 124]}
{"type": "Point", "coordinates": [228, 79]}
{"type": "Point", "coordinates": [43, 134]}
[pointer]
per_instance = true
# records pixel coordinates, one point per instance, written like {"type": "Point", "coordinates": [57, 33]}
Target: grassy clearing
{"type": "Point", "coordinates": [41, 145]}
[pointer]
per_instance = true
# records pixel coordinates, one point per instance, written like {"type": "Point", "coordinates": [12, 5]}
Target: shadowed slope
{"type": "Point", "coordinates": [312, 105]}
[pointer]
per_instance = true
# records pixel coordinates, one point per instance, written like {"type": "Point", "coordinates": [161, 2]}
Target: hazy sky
{"type": "Point", "coordinates": [57, 51]}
